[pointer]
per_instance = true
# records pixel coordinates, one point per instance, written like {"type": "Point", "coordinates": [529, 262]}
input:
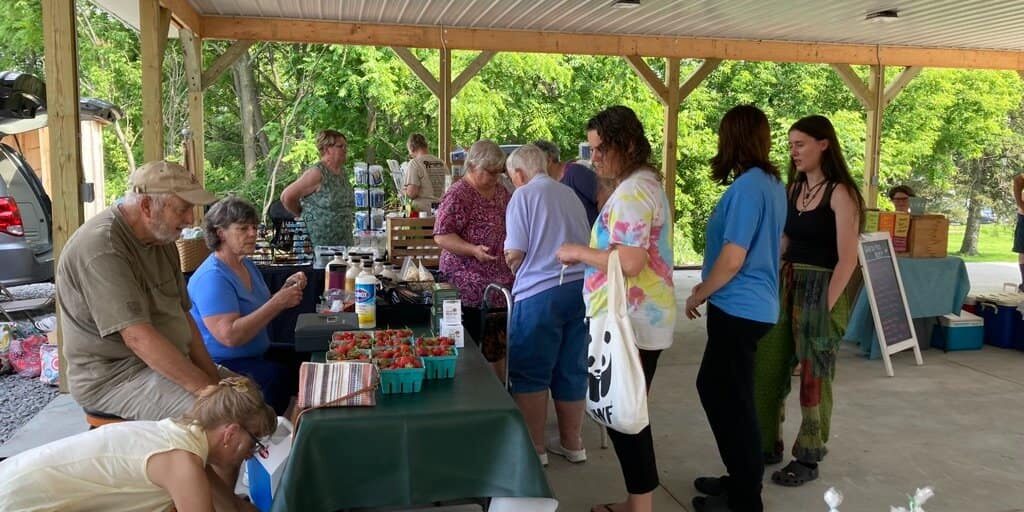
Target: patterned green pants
{"type": "Point", "coordinates": [807, 335]}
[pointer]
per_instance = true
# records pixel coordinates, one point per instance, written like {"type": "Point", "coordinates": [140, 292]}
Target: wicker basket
{"type": "Point", "coordinates": [192, 252]}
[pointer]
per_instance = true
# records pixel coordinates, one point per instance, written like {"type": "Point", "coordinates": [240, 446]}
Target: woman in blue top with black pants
{"type": "Point", "coordinates": [741, 285]}
{"type": "Point", "coordinates": [232, 305]}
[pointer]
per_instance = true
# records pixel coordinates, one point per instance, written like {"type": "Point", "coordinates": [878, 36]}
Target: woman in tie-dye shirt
{"type": "Point", "coordinates": [635, 222]}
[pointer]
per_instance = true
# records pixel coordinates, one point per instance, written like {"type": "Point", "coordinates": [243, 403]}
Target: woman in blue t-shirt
{"type": "Point", "coordinates": [740, 282]}
{"type": "Point", "coordinates": [232, 305]}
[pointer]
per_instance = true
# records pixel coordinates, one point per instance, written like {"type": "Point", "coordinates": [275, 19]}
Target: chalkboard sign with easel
{"type": "Point", "coordinates": [884, 286]}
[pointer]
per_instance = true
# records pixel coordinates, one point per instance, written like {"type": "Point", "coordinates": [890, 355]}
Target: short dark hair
{"type": "Point", "coordinates": [417, 141]}
{"type": "Point", "coordinates": [224, 213]}
{"type": "Point", "coordinates": [549, 148]}
{"type": "Point", "coordinates": [621, 129]}
{"type": "Point", "coordinates": [744, 142]}
{"type": "Point", "coordinates": [901, 188]}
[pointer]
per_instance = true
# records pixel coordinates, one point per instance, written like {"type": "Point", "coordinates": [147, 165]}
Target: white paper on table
{"type": "Point", "coordinates": [451, 311]}
{"type": "Point", "coordinates": [523, 505]}
{"type": "Point", "coordinates": [454, 332]}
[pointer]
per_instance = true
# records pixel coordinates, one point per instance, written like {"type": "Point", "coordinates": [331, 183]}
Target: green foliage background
{"type": "Point", "coordinates": [952, 134]}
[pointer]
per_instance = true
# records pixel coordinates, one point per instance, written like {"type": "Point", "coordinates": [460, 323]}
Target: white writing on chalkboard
{"type": "Point", "coordinates": [892, 310]}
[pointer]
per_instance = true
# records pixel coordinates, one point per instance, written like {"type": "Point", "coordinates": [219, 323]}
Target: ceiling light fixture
{"type": "Point", "coordinates": [625, 4]}
{"type": "Point", "coordinates": [885, 15]}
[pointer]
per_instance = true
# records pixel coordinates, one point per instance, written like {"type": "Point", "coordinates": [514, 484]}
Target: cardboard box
{"type": "Point", "coordinates": [929, 236]}
{"type": "Point", "coordinates": [898, 226]}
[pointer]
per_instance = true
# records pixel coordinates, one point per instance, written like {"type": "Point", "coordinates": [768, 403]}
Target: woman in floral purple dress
{"type": "Point", "coordinates": [470, 228]}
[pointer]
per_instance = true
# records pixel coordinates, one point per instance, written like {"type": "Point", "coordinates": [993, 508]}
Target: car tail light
{"type": "Point", "coordinates": [10, 217]}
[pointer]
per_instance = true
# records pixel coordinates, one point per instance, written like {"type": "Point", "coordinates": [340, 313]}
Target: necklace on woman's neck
{"type": "Point", "coordinates": [809, 193]}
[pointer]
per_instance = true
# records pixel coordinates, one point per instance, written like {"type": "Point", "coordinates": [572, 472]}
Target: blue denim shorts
{"type": "Point", "coordinates": [547, 343]}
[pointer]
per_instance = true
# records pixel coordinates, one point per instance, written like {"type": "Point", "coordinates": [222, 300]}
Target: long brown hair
{"type": "Point", "coordinates": [744, 141]}
{"type": "Point", "coordinates": [621, 129]}
{"type": "Point", "coordinates": [833, 164]}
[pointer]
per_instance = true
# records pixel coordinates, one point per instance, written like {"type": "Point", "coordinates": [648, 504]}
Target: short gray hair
{"type": "Point", "coordinates": [549, 148]}
{"type": "Point", "coordinates": [485, 155]}
{"type": "Point", "coordinates": [530, 158]}
{"type": "Point", "coordinates": [224, 213]}
{"type": "Point", "coordinates": [132, 198]}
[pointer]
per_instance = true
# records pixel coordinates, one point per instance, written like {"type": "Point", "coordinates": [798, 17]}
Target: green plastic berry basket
{"type": "Point", "coordinates": [401, 381]}
{"type": "Point", "coordinates": [440, 367]}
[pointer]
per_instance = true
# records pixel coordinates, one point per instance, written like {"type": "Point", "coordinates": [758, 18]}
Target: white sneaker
{"type": "Point", "coordinates": [543, 459]}
{"type": "Point", "coordinates": [574, 456]}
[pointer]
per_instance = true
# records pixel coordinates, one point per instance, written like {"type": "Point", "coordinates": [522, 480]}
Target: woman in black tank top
{"type": "Point", "coordinates": [819, 256]}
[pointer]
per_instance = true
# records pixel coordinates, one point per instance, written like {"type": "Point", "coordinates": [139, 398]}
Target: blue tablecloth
{"type": "Point", "coordinates": [934, 287]}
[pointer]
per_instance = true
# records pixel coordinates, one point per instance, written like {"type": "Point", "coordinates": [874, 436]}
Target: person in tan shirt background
{"type": "Point", "coordinates": [424, 175]}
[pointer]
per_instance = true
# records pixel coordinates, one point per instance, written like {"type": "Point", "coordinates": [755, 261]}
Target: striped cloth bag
{"type": "Point", "coordinates": [335, 385]}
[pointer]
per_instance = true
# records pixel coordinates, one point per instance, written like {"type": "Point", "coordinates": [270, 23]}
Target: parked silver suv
{"type": "Point", "coordinates": [26, 248]}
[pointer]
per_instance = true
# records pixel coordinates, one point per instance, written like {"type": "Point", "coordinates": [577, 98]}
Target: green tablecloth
{"type": "Point", "coordinates": [457, 438]}
{"type": "Point", "coordinates": [934, 287]}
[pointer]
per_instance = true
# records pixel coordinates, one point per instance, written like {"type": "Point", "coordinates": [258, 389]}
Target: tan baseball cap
{"type": "Point", "coordinates": [163, 177]}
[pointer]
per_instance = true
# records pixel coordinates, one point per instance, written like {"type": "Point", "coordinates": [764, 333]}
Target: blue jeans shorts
{"type": "Point", "coordinates": [547, 343]}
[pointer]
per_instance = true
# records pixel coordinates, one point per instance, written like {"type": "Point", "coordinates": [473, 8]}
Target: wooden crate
{"type": "Point", "coordinates": [929, 236]}
{"type": "Point", "coordinates": [413, 237]}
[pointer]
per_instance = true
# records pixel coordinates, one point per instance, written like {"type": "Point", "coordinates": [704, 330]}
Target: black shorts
{"type": "Point", "coordinates": [1018, 235]}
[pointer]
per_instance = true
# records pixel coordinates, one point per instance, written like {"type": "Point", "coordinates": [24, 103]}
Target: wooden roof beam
{"type": "Point", "coordinates": [184, 15]}
{"type": "Point", "coordinates": [421, 36]}
{"type": "Point", "coordinates": [418, 69]}
{"type": "Point", "coordinates": [223, 62]}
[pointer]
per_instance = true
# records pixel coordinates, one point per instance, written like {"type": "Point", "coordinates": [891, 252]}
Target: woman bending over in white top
{"type": "Point", "coordinates": [146, 465]}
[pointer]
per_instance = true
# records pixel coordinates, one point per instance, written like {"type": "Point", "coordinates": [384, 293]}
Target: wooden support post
{"type": "Point", "coordinates": [153, 39]}
{"type": "Point", "coordinates": [669, 153]}
{"type": "Point", "coordinates": [444, 118]}
{"type": "Point", "coordinates": [444, 89]}
{"type": "Point", "coordinates": [875, 96]}
{"type": "Point", "coordinates": [192, 46]}
{"type": "Point", "coordinates": [64, 130]}
{"type": "Point", "coordinates": [873, 142]}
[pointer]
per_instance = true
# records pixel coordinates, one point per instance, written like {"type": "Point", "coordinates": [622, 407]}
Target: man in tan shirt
{"type": "Point", "coordinates": [424, 175]}
{"type": "Point", "coordinates": [131, 346]}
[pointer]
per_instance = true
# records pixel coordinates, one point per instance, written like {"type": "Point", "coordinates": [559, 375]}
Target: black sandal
{"type": "Point", "coordinates": [794, 474]}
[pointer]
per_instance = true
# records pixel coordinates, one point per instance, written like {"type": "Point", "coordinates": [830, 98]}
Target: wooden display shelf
{"type": "Point", "coordinates": [413, 237]}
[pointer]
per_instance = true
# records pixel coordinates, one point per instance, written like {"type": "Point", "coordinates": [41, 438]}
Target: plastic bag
{"type": "Point", "coordinates": [424, 274]}
{"type": "Point", "coordinates": [24, 355]}
{"type": "Point", "coordinates": [409, 270]}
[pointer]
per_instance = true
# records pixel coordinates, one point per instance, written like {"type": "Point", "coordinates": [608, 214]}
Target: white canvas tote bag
{"type": "Point", "coordinates": [617, 392]}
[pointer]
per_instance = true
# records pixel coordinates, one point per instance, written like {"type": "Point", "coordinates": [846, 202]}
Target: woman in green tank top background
{"type": "Point", "coordinates": [323, 195]}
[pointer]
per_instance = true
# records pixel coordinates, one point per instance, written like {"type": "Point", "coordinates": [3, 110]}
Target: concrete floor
{"type": "Point", "coordinates": [956, 423]}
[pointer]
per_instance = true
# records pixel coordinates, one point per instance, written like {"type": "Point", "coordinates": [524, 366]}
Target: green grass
{"type": "Point", "coordinates": [995, 243]}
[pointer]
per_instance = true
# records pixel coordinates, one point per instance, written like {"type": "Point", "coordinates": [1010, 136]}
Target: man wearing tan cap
{"type": "Point", "coordinates": [131, 348]}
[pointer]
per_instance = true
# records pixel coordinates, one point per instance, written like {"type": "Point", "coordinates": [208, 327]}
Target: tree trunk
{"type": "Point", "coordinates": [253, 148]}
{"type": "Point", "coordinates": [969, 246]}
{"type": "Point", "coordinates": [371, 129]}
